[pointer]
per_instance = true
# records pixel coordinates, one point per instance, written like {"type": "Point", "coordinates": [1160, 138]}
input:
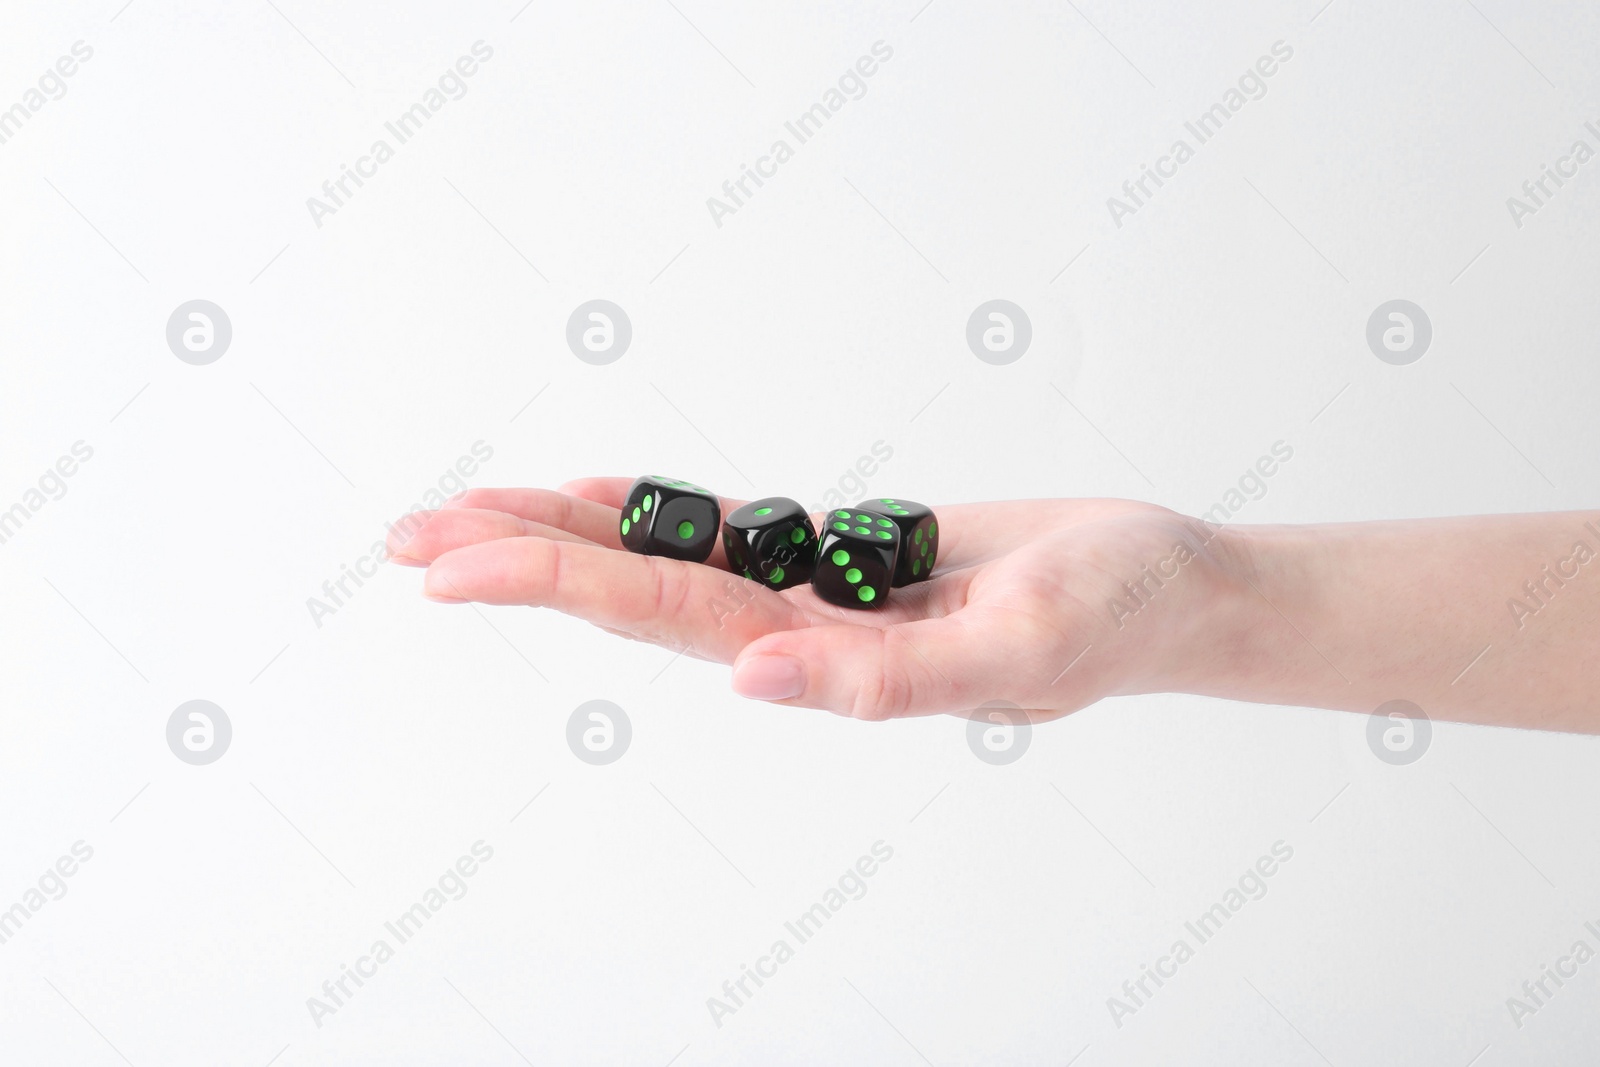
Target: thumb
{"type": "Point", "coordinates": [868, 672]}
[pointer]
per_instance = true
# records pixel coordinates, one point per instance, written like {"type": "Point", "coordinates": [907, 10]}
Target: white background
{"type": "Point", "coordinates": [769, 355]}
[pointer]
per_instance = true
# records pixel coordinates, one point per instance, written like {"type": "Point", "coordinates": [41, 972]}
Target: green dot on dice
{"type": "Point", "coordinates": [916, 565]}
{"type": "Point", "coordinates": [686, 529]}
{"type": "Point", "coordinates": [842, 514]}
{"type": "Point", "coordinates": [763, 511]}
{"type": "Point", "coordinates": [886, 500]}
{"type": "Point", "coordinates": [853, 575]}
{"type": "Point", "coordinates": [646, 502]}
{"type": "Point", "coordinates": [841, 526]}
{"type": "Point", "coordinates": [840, 558]}
{"type": "Point", "coordinates": [885, 522]}
{"type": "Point", "coordinates": [626, 522]}
{"type": "Point", "coordinates": [917, 537]}
{"type": "Point", "coordinates": [867, 594]}
{"type": "Point", "coordinates": [923, 549]}
{"type": "Point", "coordinates": [933, 530]}
{"type": "Point", "coordinates": [776, 576]}
{"type": "Point", "coordinates": [886, 535]}
{"type": "Point", "coordinates": [797, 535]}
{"type": "Point", "coordinates": [635, 514]}
{"type": "Point", "coordinates": [862, 530]}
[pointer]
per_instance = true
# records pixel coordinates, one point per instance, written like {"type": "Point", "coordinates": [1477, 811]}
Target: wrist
{"type": "Point", "coordinates": [1203, 588]}
{"type": "Point", "coordinates": [1245, 640]}
{"type": "Point", "coordinates": [1271, 634]}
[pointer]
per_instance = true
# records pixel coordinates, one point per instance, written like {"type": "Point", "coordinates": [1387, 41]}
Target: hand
{"type": "Point", "coordinates": [1020, 608]}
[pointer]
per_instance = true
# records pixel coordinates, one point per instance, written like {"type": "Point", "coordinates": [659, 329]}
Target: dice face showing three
{"type": "Point", "coordinates": [856, 555]}
{"type": "Point", "coordinates": [668, 517]}
{"type": "Point", "coordinates": [771, 541]}
{"type": "Point", "coordinates": [919, 537]}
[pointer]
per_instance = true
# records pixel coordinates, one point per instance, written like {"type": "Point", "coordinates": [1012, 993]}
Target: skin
{"type": "Point", "coordinates": [1055, 604]}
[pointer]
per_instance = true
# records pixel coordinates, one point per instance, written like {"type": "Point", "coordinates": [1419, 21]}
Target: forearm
{"type": "Point", "coordinates": [1492, 620]}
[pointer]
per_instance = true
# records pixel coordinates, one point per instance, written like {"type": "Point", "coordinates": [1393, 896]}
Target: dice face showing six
{"type": "Point", "coordinates": [919, 537]}
{"type": "Point", "coordinates": [771, 541]}
{"type": "Point", "coordinates": [668, 517]}
{"type": "Point", "coordinates": [856, 555]}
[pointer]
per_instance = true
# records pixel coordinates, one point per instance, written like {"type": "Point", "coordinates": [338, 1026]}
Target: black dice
{"type": "Point", "coordinates": [667, 517]}
{"type": "Point", "coordinates": [771, 541]}
{"type": "Point", "coordinates": [856, 555]}
{"type": "Point", "coordinates": [919, 537]}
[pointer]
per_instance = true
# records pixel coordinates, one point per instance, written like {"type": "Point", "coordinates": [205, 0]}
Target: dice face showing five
{"type": "Point", "coordinates": [919, 537]}
{"type": "Point", "coordinates": [856, 555]}
{"type": "Point", "coordinates": [668, 517]}
{"type": "Point", "coordinates": [771, 541]}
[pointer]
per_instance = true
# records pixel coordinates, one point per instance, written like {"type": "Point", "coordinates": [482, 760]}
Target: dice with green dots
{"type": "Point", "coordinates": [668, 517]}
{"type": "Point", "coordinates": [919, 536]}
{"type": "Point", "coordinates": [856, 555]}
{"type": "Point", "coordinates": [771, 541]}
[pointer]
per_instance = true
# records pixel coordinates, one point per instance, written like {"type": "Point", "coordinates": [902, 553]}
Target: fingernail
{"type": "Point", "coordinates": [773, 677]}
{"type": "Point", "coordinates": [437, 586]}
{"type": "Point", "coordinates": [396, 553]}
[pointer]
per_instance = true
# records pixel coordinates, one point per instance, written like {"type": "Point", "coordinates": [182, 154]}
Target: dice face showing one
{"type": "Point", "coordinates": [771, 541]}
{"type": "Point", "coordinates": [919, 536]}
{"type": "Point", "coordinates": [668, 517]}
{"type": "Point", "coordinates": [856, 554]}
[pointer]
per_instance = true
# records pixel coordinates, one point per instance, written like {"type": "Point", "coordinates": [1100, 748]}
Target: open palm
{"type": "Point", "coordinates": [1017, 611]}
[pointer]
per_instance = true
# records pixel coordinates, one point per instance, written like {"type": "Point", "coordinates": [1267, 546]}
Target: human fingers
{"type": "Point", "coordinates": [608, 491]}
{"type": "Point", "coordinates": [455, 528]}
{"type": "Point", "coordinates": [589, 519]}
{"type": "Point", "coordinates": [668, 601]}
